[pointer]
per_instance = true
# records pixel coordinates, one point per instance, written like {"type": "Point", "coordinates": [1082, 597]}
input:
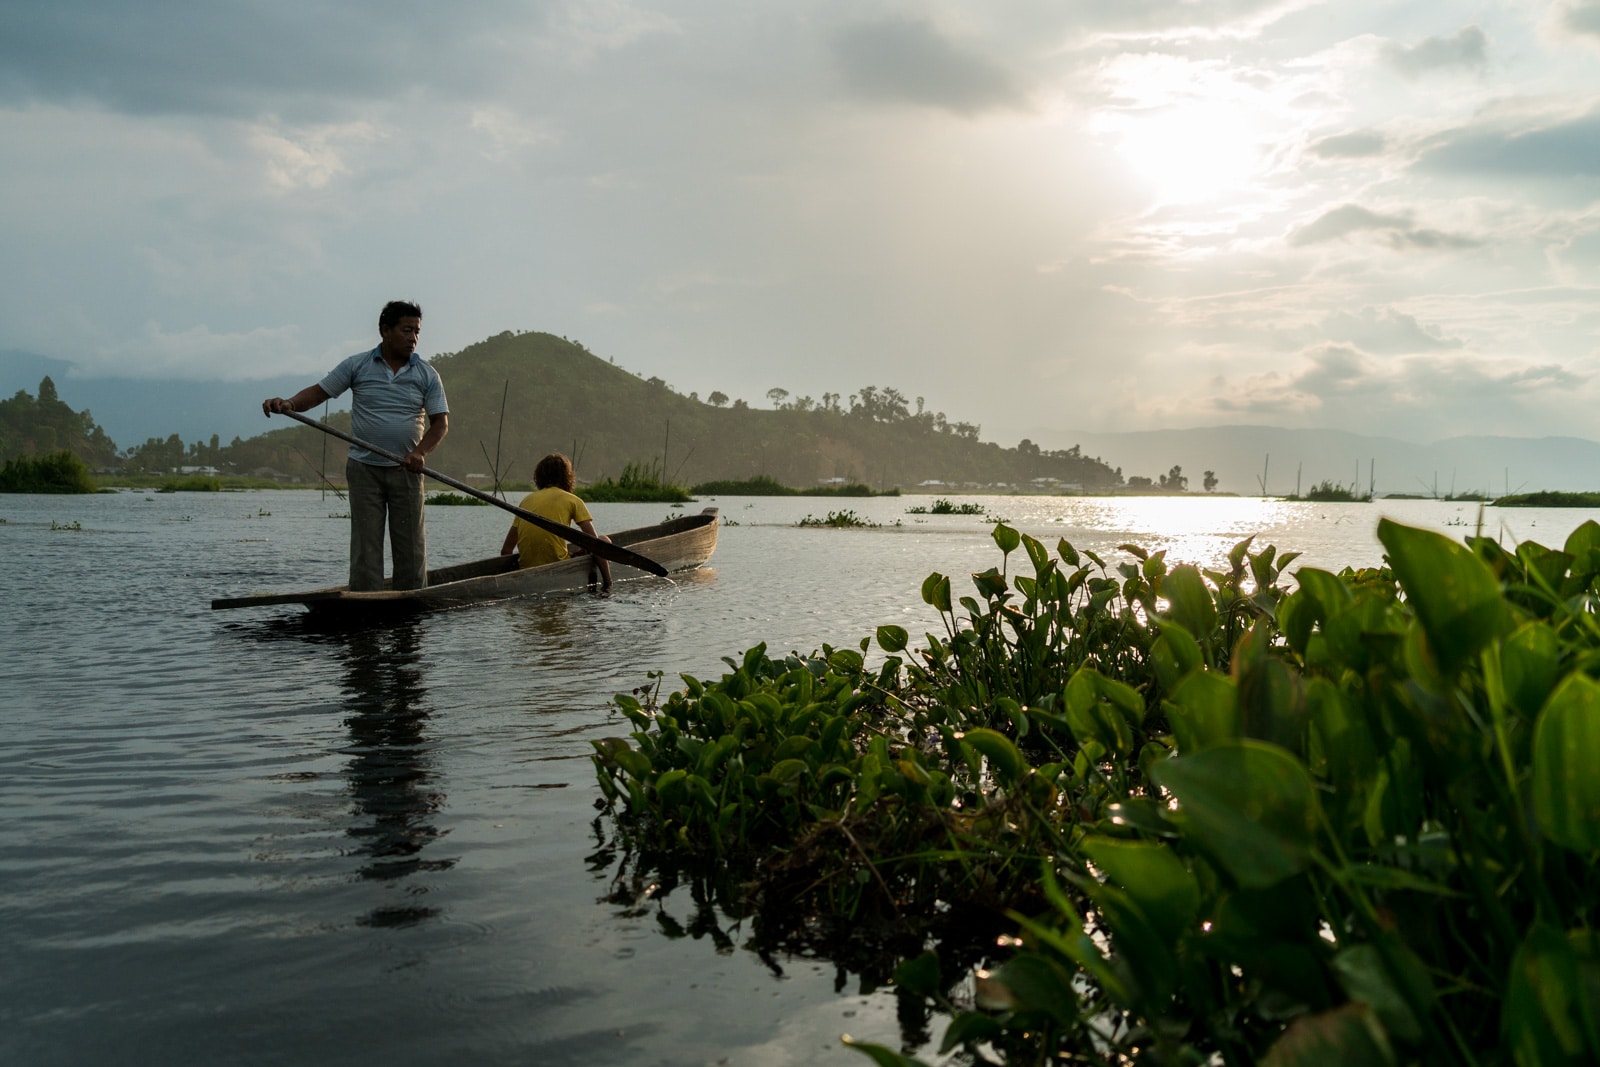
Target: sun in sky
{"type": "Point", "coordinates": [1190, 131]}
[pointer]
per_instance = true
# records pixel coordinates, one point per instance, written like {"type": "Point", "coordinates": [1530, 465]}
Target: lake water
{"type": "Point", "coordinates": [231, 838]}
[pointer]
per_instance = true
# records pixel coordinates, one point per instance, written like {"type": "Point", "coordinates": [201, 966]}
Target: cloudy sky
{"type": "Point", "coordinates": [1039, 215]}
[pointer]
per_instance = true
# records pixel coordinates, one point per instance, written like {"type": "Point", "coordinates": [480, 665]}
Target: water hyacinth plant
{"type": "Point", "coordinates": [1224, 822]}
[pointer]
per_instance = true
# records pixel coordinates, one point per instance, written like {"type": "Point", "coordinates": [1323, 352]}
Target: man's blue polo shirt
{"type": "Point", "coordinates": [387, 409]}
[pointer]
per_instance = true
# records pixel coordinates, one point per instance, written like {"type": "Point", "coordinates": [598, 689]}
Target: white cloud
{"type": "Point", "coordinates": [197, 352]}
{"type": "Point", "coordinates": [509, 131]}
{"type": "Point", "coordinates": [1397, 230]}
{"type": "Point", "coordinates": [1466, 49]}
{"type": "Point", "coordinates": [912, 61]}
{"type": "Point", "coordinates": [310, 158]}
{"type": "Point", "coordinates": [1581, 17]}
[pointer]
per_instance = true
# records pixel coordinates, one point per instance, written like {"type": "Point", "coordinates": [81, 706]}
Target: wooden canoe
{"type": "Point", "coordinates": [680, 544]}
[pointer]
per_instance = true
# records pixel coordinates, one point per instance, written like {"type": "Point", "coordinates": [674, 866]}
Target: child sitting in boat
{"type": "Point", "coordinates": [552, 499]}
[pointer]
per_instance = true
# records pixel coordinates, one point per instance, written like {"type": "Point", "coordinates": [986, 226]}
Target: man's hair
{"type": "Point", "coordinates": [555, 469]}
{"type": "Point", "coordinates": [395, 310]}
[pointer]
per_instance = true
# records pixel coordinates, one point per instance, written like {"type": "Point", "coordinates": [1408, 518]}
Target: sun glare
{"type": "Point", "coordinates": [1189, 153]}
{"type": "Point", "coordinates": [1189, 131]}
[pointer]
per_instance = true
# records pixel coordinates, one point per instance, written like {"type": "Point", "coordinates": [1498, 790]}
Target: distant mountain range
{"type": "Point", "coordinates": [1242, 455]}
{"type": "Point", "coordinates": [133, 410]}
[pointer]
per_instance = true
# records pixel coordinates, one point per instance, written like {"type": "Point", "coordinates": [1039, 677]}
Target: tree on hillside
{"type": "Point", "coordinates": [777, 396]}
{"type": "Point", "coordinates": [879, 405]}
{"type": "Point", "coordinates": [33, 427]}
{"type": "Point", "coordinates": [157, 455]}
{"type": "Point", "coordinates": [717, 398]}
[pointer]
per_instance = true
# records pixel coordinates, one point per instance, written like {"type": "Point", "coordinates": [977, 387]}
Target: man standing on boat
{"type": "Point", "coordinates": [394, 393]}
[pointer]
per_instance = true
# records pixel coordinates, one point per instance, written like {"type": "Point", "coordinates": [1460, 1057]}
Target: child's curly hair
{"type": "Point", "coordinates": [555, 469]}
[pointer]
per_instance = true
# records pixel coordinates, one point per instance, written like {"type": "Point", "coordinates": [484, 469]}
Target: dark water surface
{"type": "Point", "coordinates": [230, 837]}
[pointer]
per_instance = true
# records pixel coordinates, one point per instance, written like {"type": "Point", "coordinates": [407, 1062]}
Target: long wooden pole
{"type": "Point", "coordinates": [593, 545]}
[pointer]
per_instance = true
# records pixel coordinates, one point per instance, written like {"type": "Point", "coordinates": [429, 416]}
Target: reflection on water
{"type": "Point", "coordinates": [544, 624]}
{"type": "Point", "coordinates": [392, 773]}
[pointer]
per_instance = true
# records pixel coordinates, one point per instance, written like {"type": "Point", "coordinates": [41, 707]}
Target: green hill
{"type": "Point", "coordinates": [560, 397]}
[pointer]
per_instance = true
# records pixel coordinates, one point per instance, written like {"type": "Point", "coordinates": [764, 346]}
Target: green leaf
{"type": "Point", "coordinates": [786, 771]}
{"type": "Point", "coordinates": [970, 1027]}
{"type": "Point", "coordinates": [1154, 878]}
{"type": "Point", "coordinates": [1204, 711]}
{"type": "Point", "coordinates": [671, 788]}
{"type": "Point", "coordinates": [882, 1056]}
{"type": "Point", "coordinates": [1175, 654]}
{"type": "Point", "coordinates": [1251, 805]}
{"type": "Point", "coordinates": [991, 583]}
{"type": "Point", "coordinates": [920, 975]}
{"type": "Point", "coordinates": [1103, 709]}
{"type": "Point", "coordinates": [1347, 1036]}
{"type": "Point", "coordinates": [1237, 553]}
{"type": "Point", "coordinates": [1189, 601]}
{"type": "Point", "coordinates": [1326, 591]}
{"type": "Point", "coordinates": [936, 591]}
{"type": "Point", "coordinates": [1566, 765]}
{"type": "Point", "coordinates": [1033, 982]}
{"type": "Point", "coordinates": [1007, 538]}
{"type": "Point", "coordinates": [1456, 597]}
{"type": "Point", "coordinates": [1543, 1014]}
{"type": "Point", "coordinates": [1347, 743]}
{"type": "Point", "coordinates": [1001, 753]}
{"type": "Point", "coordinates": [1296, 617]}
{"type": "Point", "coordinates": [1038, 555]}
{"type": "Point", "coordinates": [1530, 663]}
{"type": "Point", "coordinates": [1261, 568]}
{"type": "Point", "coordinates": [892, 638]}
{"type": "Point", "coordinates": [1364, 977]}
{"type": "Point", "coordinates": [1272, 703]}
{"type": "Point", "coordinates": [1585, 538]}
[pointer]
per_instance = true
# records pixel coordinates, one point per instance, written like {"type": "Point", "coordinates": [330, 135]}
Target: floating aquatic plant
{"type": "Point", "coordinates": [1226, 821]}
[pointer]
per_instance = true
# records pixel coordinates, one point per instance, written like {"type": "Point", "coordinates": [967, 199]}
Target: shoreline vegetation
{"type": "Point", "coordinates": [766, 485]}
{"type": "Point", "coordinates": [1331, 492]}
{"type": "Point", "coordinates": [54, 472]}
{"type": "Point", "coordinates": [1121, 811]}
{"type": "Point", "coordinates": [1549, 499]}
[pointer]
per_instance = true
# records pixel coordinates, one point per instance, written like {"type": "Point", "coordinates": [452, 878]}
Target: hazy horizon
{"type": "Point", "coordinates": [1371, 217]}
